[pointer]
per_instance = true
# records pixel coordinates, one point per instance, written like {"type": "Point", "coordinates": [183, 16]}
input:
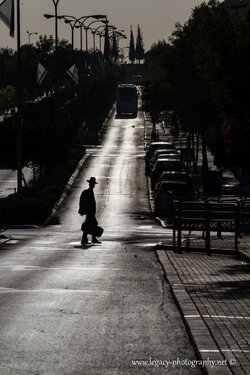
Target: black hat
{"type": "Point", "coordinates": [92, 180]}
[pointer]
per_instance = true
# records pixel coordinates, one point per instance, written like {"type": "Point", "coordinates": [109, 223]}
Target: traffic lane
{"type": "Point", "coordinates": [121, 318]}
{"type": "Point", "coordinates": [105, 163]}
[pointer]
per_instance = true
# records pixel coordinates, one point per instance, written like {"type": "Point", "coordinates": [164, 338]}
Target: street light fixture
{"type": "Point", "coordinates": [30, 33]}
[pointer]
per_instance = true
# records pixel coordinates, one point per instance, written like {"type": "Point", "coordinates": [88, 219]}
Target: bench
{"type": "Point", "coordinates": [207, 216]}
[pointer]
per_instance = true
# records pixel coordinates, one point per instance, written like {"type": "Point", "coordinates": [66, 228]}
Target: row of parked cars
{"type": "Point", "coordinates": [169, 180]}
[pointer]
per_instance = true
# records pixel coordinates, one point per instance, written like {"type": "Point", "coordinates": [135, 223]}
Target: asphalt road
{"type": "Point", "coordinates": [65, 309]}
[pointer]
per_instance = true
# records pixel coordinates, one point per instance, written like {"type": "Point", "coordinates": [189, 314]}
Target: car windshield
{"type": "Point", "coordinates": [177, 189]}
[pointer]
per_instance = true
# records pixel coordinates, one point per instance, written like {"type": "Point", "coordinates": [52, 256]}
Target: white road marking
{"type": "Point", "coordinates": [26, 268]}
{"type": "Point", "coordinates": [13, 290]}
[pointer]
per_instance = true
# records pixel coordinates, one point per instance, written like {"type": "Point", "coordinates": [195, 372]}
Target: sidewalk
{"type": "Point", "coordinates": [213, 295]}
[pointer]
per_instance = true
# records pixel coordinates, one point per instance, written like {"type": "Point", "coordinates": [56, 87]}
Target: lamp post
{"type": "Point", "coordinates": [55, 2]}
{"type": "Point", "coordinates": [19, 104]}
{"type": "Point", "coordinates": [30, 33]}
{"type": "Point", "coordinates": [71, 23]}
{"type": "Point", "coordinates": [93, 32]}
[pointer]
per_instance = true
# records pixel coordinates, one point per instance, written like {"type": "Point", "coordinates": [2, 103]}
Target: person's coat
{"type": "Point", "coordinates": [87, 206]}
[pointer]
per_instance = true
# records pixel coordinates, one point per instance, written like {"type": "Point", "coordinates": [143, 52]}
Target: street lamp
{"type": "Point", "coordinates": [30, 33]}
{"type": "Point", "coordinates": [71, 24]}
{"type": "Point", "coordinates": [55, 2]}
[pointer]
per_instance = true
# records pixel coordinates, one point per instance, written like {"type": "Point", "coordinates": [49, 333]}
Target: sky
{"type": "Point", "coordinates": [156, 18]}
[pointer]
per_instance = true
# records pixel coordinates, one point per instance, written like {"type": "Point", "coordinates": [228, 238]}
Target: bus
{"type": "Point", "coordinates": [127, 100]}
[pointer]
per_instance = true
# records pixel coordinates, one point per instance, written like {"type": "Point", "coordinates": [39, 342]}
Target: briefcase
{"type": "Point", "coordinates": [98, 231]}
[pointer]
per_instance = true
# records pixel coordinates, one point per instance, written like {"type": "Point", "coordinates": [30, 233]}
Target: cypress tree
{"type": "Point", "coordinates": [114, 49]}
{"type": "Point", "coordinates": [139, 50]}
{"type": "Point", "coordinates": [131, 55]}
{"type": "Point", "coordinates": [106, 51]}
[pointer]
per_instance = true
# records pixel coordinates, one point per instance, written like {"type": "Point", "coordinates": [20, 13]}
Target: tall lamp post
{"type": "Point", "coordinates": [29, 34]}
{"type": "Point", "coordinates": [55, 2]}
{"type": "Point", "coordinates": [19, 104]}
{"type": "Point", "coordinates": [71, 23]}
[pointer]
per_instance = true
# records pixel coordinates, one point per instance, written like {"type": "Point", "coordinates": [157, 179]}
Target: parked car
{"type": "Point", "coordinates": [161, 151]}
{"type": "Point", "coordinates": [169, 191]}
{"type": "Point", "coordinates": [166, 156]}
{"type": "Point", "coordinates": [172, 176]}
{"type": "Point", "coordinates": [156, 146]}
{"type": "Point", "coordinates": [163, 165]}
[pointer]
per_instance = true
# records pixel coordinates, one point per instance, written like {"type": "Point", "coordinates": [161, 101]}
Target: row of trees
{"type": "Point", "coordinates": [202, 75]}
{"type": "Point", "coordinates": [88, 63]}
{"type": "Point", "coordinates": [54, 128]}
{"type": "Point", "coordinates": [136, 51]}
{"type": "Point", "coordinates": [47, 130]}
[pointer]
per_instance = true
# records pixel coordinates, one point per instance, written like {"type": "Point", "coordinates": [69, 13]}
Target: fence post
{"type": "Point", "coordinates": [174, 224]}
{"type": "Point", "coordinates": [237, 226]}
{"type": "Point", "coordinates": [179, 227]}
{"type": "Point", "coordinates": [208, 245]}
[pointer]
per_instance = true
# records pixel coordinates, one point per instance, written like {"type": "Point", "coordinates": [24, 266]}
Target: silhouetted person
{"type": "Point", "coordinates": [87, 206]}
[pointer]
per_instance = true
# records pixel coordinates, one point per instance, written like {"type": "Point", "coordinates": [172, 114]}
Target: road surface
{"type": "Point", "coordinates": [99, 309]}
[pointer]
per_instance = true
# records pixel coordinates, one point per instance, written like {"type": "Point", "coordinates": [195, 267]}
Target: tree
{"type": "Point", "coordinates": [45, 44]}
{"type": "Point", "coordinates": [139, 50]}
{"type": "Point", "coordinates": [114, 49]}
{"type": "Point", "coordinates": [131, 47]}
{"type": "Point", "coordinates": [7, 98]}
{"type": "Point", "coordinates": [106, 51]}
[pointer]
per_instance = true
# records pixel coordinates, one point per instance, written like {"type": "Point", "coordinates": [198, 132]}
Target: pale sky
{"type": "Point", "coordinates": [156, 18]}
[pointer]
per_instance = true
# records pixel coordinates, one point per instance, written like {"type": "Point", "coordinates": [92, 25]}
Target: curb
{"type": "Point", "coordinates": [199, 334]}
{"type": "Point", "coordinates": [112, 110]}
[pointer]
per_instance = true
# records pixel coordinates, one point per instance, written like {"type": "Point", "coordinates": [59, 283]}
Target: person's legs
{"type": "Point", "coordinates": [84, 240]}
{"type": "Point", "coordinates": [95, 240]}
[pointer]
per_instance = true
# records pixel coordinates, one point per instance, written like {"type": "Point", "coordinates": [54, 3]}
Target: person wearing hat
{"type": "Point", "coordinates": [87, 206]}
